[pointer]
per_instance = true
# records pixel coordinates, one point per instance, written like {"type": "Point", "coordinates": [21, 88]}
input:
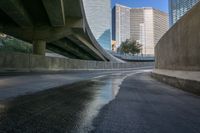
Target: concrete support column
{"type": "Point", "coordinates": [39, 47]}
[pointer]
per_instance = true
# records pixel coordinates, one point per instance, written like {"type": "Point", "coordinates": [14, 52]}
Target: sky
{"type": "Point", "coordinates": [157, 4]}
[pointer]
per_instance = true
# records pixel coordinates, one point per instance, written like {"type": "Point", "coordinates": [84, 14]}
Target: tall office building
{"type": "Point", "coordinates": [177, 8]}
{"type": "Point", "coordinates": [98, 13]}
{"type": "Point", "coordinates": [121, 24]}
{"type": "Point", "coordinates": [145, 25]}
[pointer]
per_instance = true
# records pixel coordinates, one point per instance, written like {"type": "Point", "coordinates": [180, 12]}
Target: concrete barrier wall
{"type": "Point", "coordinates": [179, 48]}
{"type": "Point", "coordinates": [19, 62]}
{"type": "Point", "coordinates": [177, 54]}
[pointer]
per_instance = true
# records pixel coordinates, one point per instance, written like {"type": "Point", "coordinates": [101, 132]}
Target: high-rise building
{"type": "Point", "coordinates": [120, 24]}
{"type": "Point", "coordinates": [98, 13]}
{"type": "Point", "coordinates": [177, 8]}
{"type": "Point", "coordinates": [145, 25]}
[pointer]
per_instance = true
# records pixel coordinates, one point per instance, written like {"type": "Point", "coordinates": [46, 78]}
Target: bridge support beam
{"type": "Point", "coordinates": [15, 10]}
{"type": "Point", "coordinates": [39, 47]}
{"type": "Point", "coordinates": [55, 11]}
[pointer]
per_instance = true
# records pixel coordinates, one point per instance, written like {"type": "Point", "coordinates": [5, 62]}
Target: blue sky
{"type": "Point", "coordinates": [158, 4]}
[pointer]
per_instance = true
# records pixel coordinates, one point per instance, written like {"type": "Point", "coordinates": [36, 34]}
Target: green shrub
{"type": "Point", "coordinates": [14, 45]}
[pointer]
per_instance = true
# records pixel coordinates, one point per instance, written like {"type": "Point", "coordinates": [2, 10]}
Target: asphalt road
{"type": "Point", "coordinates": [19, 85]}
{"type": "Point", "coordinates": [145, 105]}
{"type": "Point", "coordinates": [97, 102]}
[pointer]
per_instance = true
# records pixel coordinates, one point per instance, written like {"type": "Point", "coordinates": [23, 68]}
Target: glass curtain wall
{"type": "Point", "coordinates": [177, 8]}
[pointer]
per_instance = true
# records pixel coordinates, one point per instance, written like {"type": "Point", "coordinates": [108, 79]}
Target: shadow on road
{"type": "Point", "coordinates": [68, 108]}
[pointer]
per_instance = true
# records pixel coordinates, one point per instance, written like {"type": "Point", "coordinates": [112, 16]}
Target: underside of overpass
{"type": "Point", "coordinates": [58, 25]}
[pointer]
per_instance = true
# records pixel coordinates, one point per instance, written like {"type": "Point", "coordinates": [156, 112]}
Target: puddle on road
{"type": "Point", "coordinates": [70, 109]}
{"type": "Point", "coordinates": [106, 90]}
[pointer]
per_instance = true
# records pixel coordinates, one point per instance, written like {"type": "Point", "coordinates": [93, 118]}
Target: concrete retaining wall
{"type": "Point", "coordinates": [19, 62]}
{"type": "Point", "coordinates": [179, 50]}
{"type": "Point", "coordinates": [185, 80]}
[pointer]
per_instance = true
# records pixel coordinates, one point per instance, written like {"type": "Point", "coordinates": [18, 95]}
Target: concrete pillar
{"type": "Point", "coordinates": [39, 47]}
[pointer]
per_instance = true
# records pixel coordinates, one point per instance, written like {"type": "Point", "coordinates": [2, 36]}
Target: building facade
{"type": "Point", "coordinates": [120, 24]}
{"type": "Point", "coordinates": [146, 26]}
{"type": "Point", "coordinates": [98, 14]}
{"type": "Point", "coordinates": [177, 8]}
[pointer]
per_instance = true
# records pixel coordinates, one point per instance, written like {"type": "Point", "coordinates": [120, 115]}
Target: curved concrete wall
{"type": "Point", "coordinates": [178, 53]}
{"type": "Point", "coordinates": [179, 48]}
{"type": "Point", "coordinates": [91, 36]}
{"type": "Point", "coordinates": [98, 14]}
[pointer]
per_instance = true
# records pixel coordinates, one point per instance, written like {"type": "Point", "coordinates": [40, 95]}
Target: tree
{"type": "Point", "coordinates": [129, 47]}
{"type": "Point", "coordinates": [10, 44]}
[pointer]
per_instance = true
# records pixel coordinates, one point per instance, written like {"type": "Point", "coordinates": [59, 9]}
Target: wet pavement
{"type": "Point", "coordinates": [14, 86]}
{"type": "Point", "coordinates": [118, 102]}
{"type": "Point", "coordinates": [68, 108]}
{"type": "Point", "coordinates": [145, 105]}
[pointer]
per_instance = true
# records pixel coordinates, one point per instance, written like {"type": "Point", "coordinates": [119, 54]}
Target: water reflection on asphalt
{"type": "Point", "coordinates": [70, 108]}
{"type": "Point", "coordinates": [105, 90]}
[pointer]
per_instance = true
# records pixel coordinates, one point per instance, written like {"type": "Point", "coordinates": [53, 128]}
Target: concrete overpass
{"type": "Point", "coordinates": [58, 25]}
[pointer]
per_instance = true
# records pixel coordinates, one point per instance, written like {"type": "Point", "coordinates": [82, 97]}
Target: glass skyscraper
{"type": "Point", "coordinates": [98, 14]}
{"type": "Point", "coordinates": [177, 8]}
{"type": "Point", "coordinates": [121, 24]}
